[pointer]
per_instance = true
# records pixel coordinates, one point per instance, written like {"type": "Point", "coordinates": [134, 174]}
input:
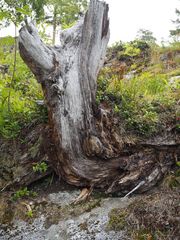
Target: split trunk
{"type": "Point", "coordinates": [89, 147]}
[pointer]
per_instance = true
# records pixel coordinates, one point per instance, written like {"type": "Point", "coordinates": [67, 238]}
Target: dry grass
{"type": "Point", "coordinates": [151, 217]}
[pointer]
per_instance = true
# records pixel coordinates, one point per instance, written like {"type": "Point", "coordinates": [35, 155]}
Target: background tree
{"type": "Point", "coordinates": [146, 36]}
{"type": "Point", "coordinates": [17, 11]}
{"type": "Point", "coordinates": [176, 32]}
{"type": "Point", "coordinates": [64, 13]}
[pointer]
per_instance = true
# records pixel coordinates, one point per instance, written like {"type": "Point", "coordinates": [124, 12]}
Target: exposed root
{"type": "Point", "coordinates": [84, 195]}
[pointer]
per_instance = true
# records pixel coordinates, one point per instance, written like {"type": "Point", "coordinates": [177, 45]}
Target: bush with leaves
{"type": "Point", "coordinates": [140, 100]}
{"type": "Point", "coordinates": [18, 97]}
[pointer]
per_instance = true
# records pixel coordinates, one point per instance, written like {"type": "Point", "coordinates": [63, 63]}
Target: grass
{"type": "Point", "coordinates": [21, 107]}
{"type": "Point", "coordinates": [150, 217]}
{"type": "Point", "coordinates": [146, 103]}
{"type": "Point", "coordinates": [139, 101]}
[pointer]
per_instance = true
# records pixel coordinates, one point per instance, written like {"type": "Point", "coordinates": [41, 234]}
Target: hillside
{"type": "Point", "coordinates": [139, 84]}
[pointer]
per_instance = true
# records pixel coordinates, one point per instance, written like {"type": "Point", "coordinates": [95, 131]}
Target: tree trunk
{"type": "Point", "coordinates": [90, 150]}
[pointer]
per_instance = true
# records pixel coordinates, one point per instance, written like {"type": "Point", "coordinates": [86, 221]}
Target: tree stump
{"type": "Point", "coordinates": [89, 149]}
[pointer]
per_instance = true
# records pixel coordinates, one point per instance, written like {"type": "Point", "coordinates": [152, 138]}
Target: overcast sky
{"type": "Point", "coordinates": [128, 16]}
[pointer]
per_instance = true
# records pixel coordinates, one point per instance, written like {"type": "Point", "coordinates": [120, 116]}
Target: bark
{"type": "Point", "coordinates": [89, 148]}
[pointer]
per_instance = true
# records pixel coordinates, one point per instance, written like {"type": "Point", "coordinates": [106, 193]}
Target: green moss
{"type": "Point", "coordinates": [117, 219]}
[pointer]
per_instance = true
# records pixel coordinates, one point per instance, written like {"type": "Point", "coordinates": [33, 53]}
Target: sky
{"type": "Point", "coordinates": [128, 16]}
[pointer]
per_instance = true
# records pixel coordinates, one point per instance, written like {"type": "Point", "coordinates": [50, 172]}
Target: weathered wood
{"type": "Point", "coordinates": [90, 150]}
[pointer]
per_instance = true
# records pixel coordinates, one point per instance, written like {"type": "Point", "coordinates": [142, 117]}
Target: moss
{"type": "Point", "coordinates": [92, 204]}
{"type": "Point", "coordinates": [57, 213]}
{"type": "Point", "coordinates": [117, 219]}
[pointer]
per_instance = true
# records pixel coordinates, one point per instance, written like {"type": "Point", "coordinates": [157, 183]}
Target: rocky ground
{"type": "Point", "coordinates": [52, 215]}
{"type": "Point", "coordinates": [36, 205]}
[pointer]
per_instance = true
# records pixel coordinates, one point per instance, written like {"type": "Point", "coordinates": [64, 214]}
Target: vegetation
{"type": "Point", "coordinates": [146, 36]}
{"type": "Point", "coordinates": [40, 167]}
{"type": "Point", "coordinates": [153, 216]}
{"type": "Point", "coordinates": [24, 192]}
{"type": "Point", "coordinates": [117, 219]}
{"type": "Point", "coordinates": [139, 101]}
{"type": "Point", "coordinates": [21, 108]}
{"type": "Point", "coordinates": [140, 83]}
{"type": "Point", "coordinates": [176, 32]}
{"type": "Point", "coordinates": [148, 99]}
{"type": "Point", "coordinates": [64, 13]}
{"type": "Point", "coordinates": [30, 213]}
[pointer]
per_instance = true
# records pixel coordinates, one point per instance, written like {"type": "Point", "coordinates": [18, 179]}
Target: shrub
{"type": "Point", "coordinates": [24, 192]}
{"type": "Point", "coordinates": [18, 95]}
{"type": "Point", "coordinates": [40, 167]}
{"type": "Point", "coordinates": [139, 100]}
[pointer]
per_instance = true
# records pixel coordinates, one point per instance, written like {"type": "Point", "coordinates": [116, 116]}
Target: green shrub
{"type": "Point", "coordinates": [139, 100]}
{"type": "Point", "coordinates": [40, 167]}
{"type": "Point", "coordinates": [18, 96]}
{"type": "Point", "coordinates": [24, 192]}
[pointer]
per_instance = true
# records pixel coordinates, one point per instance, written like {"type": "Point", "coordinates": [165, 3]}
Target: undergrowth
{"type": "Point", "coordinates": [18, 95]}
{"type": "Point", "coordinates": [143, 102]}
{"type": "Point", "coordinates": [146, 97]}
{"type": "Point", "coordinates": [140, 100]}
{"type": "Point", "coordinates": [153, 216]}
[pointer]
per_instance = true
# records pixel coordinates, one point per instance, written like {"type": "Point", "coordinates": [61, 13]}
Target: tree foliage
{"type": "Point", "coordinates": [17, 11]}
{"type": "Point", "coordinates": [146, 36]}
{"type": "Point", "coordinates": [65, 12]}
{"type": "Point", "coordinates": [176, 32]}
